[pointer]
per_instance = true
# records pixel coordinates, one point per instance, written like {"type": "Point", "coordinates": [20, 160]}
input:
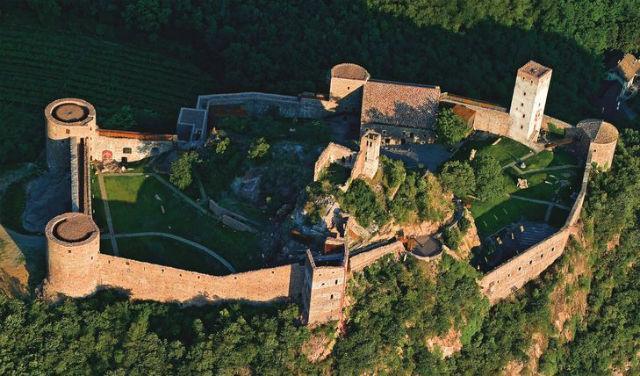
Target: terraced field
{"type": "Point", "coordinates": [37, 66]}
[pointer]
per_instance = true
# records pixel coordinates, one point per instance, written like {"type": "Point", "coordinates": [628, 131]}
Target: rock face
{"type": "Point", "coordinates": [47, 196]}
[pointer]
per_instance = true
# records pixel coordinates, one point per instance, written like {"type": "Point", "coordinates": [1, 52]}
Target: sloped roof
{"type": "Point", "coordinates": [350, 71]}
{"type": "Point", "coordinates": [599, 131]}
{"type": "Point", "coordinates": [399, 104]}
{"type": "Point", "coordinates": [628, 67]}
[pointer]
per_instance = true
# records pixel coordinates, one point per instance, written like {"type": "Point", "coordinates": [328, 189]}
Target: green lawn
{"type": "Point", "coordinates": [135, 208]}
{"type": "Point", "coordinates": [549, 158]}
{"type": "Point", "coordinates": [505, 151]}
{"type": "Point", "coordinates": [552, 186]}
{"type": "Point", "coordinates": [491, 216]}
{"type": "Point", "coordinates": [169, 252]}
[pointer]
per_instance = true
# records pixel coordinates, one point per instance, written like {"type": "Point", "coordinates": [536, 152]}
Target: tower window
{"type": "Point", "coordinates": [126, 150]}
{"type": "Point", "coordinates": [523, 116]}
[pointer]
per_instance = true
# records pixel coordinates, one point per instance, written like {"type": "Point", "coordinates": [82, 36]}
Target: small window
{"type": "Point", "coordinates": [523, 116]}
{"type": "Point", "coordinates": [126, 150]}
{"type": "Point", "coordinates": [519, 268]}
{"type": "Point", "coordinates": [336, 281]}
{"type": "Point", "coordinates": [331, 296]}
{"type": "Point", "coordinates": [530, 262]}
{"type": "Point", "coordinates": [68, 131]}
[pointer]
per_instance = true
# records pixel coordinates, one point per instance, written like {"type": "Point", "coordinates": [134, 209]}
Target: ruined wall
{"type": "Point", "coordinates": [258, 104]}
{"type": "Point", "coordinates": [515, 273]}
{"type": "Point", "coordinates": [146, 281]}
{"type": "Point", "coordinates": [368, 158]}
{"type": "Point", "coordinates": [362, 260]}
{"type": "Point", "coordinates": [114, 148]}
{"type": "Point", "coordinates": [332, 153]}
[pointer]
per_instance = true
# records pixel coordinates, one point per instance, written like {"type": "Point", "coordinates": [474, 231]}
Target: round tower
{"type": "Point", "coordinates": [66, 118]}
{"type": "Point", "coordinates": [345, 86]}
{"type": "Point", "coordinates": [598, 139]}
{"type": "Point", "coordinates": [73, 245]}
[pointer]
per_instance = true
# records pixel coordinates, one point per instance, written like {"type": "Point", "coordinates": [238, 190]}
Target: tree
{"type": "Point", "coordinates": [450, 127]}
{"type": "Point", "coordinates": [452, 237]}
{"type": "Point", "coordinates": [182, 169]}
{"type": "Point", "coordinates": [147, 15]}
{"type": "Point", "coordinates": [258, 149]}
{"type": "Point", "coordinates": [458, 177]}
{"type": "Point", "coordinates": [362, 202]}
{"type": "Point", "coordinates": [489, 179]}
{"type": "Point", "coordinates": [123, 118]}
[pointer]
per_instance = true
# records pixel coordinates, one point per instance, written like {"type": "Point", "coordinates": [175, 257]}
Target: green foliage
{"type": "Point", "coordinates": [148, 16]}
{"type": "Point", "coordinates": [396, 307]}
{"type": "Point", "coordinates": [365, 205]}
{"type": "Point", "coordinates": [464, 224]}
{"type": "Point", "coordinates": [458, 177]}
{"type": "Point", "coordinates": [123, 118]}
{"type": "Point", "coordinates": [419, 198]}
{"type": "Point", "coordinates": [258, 149]}
{"type": "Point", "coordinates": [182, 169]}
{"type": "Point", "coordinates": [450, 127]}
{"type": "Point", "coordinates": [20, 139]}
{"type": "Point", "coordinates": [613, 200]}
{"type": "Point", "coordinates": [221, 163]}
{"type": "Point", "coordinates": [109, 335]}
{"type": "Point", "coordinates": [394, 172]}
{"type": "Point", "coordinates": [489, 179]}
{"type": "Point", "coordinates": [452, 237]}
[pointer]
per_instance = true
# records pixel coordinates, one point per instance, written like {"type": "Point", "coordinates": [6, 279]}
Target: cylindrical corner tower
{"type": "Point", "coordinates": [73, 246]}
{"type": "Point", "coordinates": [67, 118]}
{"type": "Point", "coordinates": [599, 138]}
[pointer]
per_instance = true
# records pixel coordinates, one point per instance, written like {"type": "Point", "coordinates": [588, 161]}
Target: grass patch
{"type": "Point", "coordinates": [493, 216]}
{"type": "Point", "coordinates": [557, 186]}
{"type": "Point", "coordinates": [135, 209]}
{"type": "Point", "coordinates": [505, 151]}
{"type": "Point", "coordinates": [558, 217]}
{"type": "Point", "coordinates": [170, 252]}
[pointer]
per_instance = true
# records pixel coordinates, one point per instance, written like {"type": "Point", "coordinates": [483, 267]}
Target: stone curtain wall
{"type": "Point", "coordinates": [144, 281]}
{"type": "Point", "coordinates": [514, 274]}
{"type": "Point", "coordinates": [258, 104]}
{"type": "Point", "coordinates": [362, 260]}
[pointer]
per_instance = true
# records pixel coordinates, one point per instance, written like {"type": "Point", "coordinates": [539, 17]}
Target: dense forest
{"type": "Point", "coordinates": [183, 48]}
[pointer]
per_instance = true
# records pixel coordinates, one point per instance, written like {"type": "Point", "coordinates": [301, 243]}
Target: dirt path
{"type": "Point", "coordinates": [107, 214]}
{"type": "Point", "coordinates": [541, 202]}
{"type": "Point", "coordinates": [183, 240]}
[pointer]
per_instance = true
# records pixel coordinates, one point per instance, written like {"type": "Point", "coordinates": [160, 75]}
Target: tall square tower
{"type": "Point", "coordinates": [528, 101]}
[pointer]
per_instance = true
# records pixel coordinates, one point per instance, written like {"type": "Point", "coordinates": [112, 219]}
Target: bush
{"type": "Point", "coordinates": [182, 169]}
{"type": "Point", "coordinates": [489, 179]}
{"type": "Point", "coordinates": [452, 237]}
{"type": "Point", "coordinates": [464, 224]}
{"type": "Point", "coordinates": [258, 149]}
{"type": "Point", "coordinates": [362, 202]}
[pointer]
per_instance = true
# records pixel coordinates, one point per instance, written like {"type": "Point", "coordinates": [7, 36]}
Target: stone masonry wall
{"type": "Point", "coordinates": [257, 104]}
{"type": "Point", "coordinates": [514, 274]}
{"type": "Point", "coordinates": [144, 281]}
{"type": "Point", "coordinates": [115, 146]}
{"type": "Point", "coordinates": [360, 261]}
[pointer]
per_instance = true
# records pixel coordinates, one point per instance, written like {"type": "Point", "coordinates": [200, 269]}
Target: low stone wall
{"type": "Point", "coordinates": [231, 219]}
{"type": "Point", "coordinates": [364, 259]}
{"type": "Point", "coordinates": [258, 104]}
{"type": "Point", "coordinates": [144, 281]}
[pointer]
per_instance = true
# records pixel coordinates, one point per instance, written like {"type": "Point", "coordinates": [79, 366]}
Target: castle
{"type": "Point", "coordinates": [390, 113]}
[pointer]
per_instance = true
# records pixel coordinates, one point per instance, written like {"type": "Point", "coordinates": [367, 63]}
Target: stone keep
{"type": "Point", "coordinates": [528, 101]}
